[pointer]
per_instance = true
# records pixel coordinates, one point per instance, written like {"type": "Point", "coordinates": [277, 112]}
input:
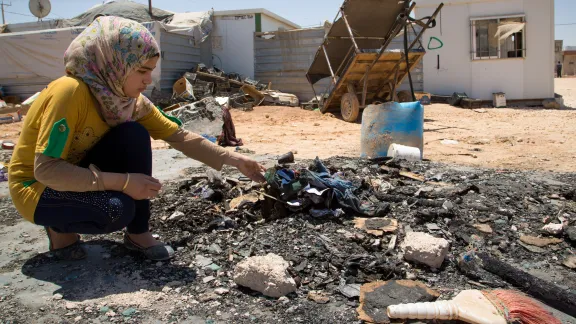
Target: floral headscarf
{"type": "Point", "coordinates": [103, 55]}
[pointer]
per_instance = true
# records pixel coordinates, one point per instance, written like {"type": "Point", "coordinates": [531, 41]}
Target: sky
{"type": "Point", "coordinates": [306, 13]}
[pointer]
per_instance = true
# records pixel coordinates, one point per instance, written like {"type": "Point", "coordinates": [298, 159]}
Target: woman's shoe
{"type": "Point", "coordinates": [159, 252]}
{"type": "Point", "coordinates": [68, 253]}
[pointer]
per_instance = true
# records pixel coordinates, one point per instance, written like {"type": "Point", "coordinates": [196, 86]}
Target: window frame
{"type": "Point", "coordinates": [474, 53]}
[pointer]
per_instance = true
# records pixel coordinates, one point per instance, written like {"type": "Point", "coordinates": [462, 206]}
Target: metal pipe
{"type": "Point", "coordinates": [398, 25]}
{"type": "Point", "coordinates": [328, 62]}
{"type": "Point", "coordinates": [150, 7]}
{"type": "Point", "coordinates": [357, 37]}
{"type": "Point", "coordinates": [344, 60]}
{"type": "Point", "coordinates": [393, 91]}
{"type": "Point", "coordinates": [349, 30]}
{"type": "Point", "coordinates": [425, 28]}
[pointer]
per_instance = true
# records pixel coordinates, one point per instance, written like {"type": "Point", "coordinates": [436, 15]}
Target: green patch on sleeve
{"type": "Point", "coordinates": [171, 118]}
{"type": "Point", "coordinates": [28, 183]}
{"type": "Point", "coordinates": [57, 140]}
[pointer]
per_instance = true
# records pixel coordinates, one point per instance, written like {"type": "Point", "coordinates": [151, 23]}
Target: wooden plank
{"type": "Point", "coordinates": [382, 73]}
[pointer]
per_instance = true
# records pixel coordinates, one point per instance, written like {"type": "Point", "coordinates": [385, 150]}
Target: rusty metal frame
{"type": "Point", "coordinates": [401, 21]}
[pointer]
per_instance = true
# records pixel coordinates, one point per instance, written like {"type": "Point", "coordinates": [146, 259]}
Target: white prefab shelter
{"type": "Point", "coordinates": [490, 46]}
{"type": "Point", "coordinates": [233, 37]}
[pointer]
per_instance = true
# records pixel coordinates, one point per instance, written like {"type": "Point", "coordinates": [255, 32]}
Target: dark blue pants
{"type": "Point", "coordinates": [125, 148]}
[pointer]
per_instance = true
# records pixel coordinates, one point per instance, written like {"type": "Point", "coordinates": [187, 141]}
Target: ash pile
{"type": "Point", "coordinates": [340, 240]}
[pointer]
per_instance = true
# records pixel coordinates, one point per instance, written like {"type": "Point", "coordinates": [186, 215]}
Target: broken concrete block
{"type": "Point", "coordinates": [425, 248]}
{"type": "Point", "coordinates": [375, 297]}
{"type": "Point", "coordinates": [376, 226]}
{"type": "Point", "coordinates": [350, 290]}
{"type": "Point", "coordinates": [539, 241]}
{"type": "Point", "coordinates": [553, 229]}
{"type": "Point", "coordinates": [320, 297]}
{"type": "Point", "coordinates": [266, 274]}
{"type": "Point", "coordinates": [484, 228]}
{"type": "Point", "coordinates": [571, 231]}
{"type": "Point", "coordinates": [570, 262]}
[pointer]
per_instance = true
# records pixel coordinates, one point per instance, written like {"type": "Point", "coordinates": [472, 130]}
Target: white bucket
{"type": "Point", "coordinates": [409, 153]}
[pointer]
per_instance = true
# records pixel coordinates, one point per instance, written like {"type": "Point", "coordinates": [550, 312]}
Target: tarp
{"type": "Point", "coordinates": [121, 8]}
{"type": "Point", "coordinates": [368, 18]}
{"type": "Point", "coordinates": [196, 24]}
{"type": "Point", "coordinates": [40, 54]}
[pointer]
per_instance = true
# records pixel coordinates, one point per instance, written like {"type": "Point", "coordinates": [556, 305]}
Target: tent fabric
{"type": "Point", "coordinates": [121, 8]}
{"type": "Point", "coordinates": [367, 18]}
{"type": "Point", "coordinates": [197, 24]}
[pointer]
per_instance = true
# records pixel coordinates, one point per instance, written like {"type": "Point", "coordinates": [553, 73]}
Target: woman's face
{"type": "Point", "coordinates": [139, 79]}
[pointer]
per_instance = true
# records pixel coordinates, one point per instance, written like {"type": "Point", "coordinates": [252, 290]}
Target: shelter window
{"type": "Point", "coordinates": [498, 38]}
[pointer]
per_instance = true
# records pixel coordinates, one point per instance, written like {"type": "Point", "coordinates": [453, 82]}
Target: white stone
{"type": "Point", "coordinates": [221, 291]}
{"type": "Point", "coordinates": [266, 274]}
{"type": "Point", "coordinates": [425, 248]}
{"type": "Point", "coordinates": [176, 216]}
{"type": "Point", "coordinates": [71, 306]}
{"type": "Point", "coordinates": [553, 229]}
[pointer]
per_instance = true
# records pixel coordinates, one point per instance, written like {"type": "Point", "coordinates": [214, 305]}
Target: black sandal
{"type": "Point", "coordinates": [159, 252]}
{"type": "Point", "coordinates": [68, 253]}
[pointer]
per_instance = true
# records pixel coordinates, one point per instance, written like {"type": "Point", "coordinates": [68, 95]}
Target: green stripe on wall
{"type": "Point", "coordinates": [258, 23]}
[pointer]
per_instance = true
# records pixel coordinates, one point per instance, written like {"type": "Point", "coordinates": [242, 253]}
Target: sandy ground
{"type": "Point", "coordinates": [522, 138]}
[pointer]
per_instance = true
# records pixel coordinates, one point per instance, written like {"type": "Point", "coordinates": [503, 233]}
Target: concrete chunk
{"type": "Point", "coordinates": [425, 248]}
{"type": "Point", "coordinates": [266, 274]}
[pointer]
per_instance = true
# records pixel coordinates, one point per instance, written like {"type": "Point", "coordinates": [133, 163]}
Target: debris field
{"type": "Point", "coordinates": [309, 266]}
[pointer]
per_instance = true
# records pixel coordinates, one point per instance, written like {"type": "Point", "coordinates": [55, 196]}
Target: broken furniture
{"type": "Point", "coordinates": [354, 54]}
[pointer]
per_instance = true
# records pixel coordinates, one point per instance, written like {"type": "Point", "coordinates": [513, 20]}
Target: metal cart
{"type": "Point", "coordinates": [354, 54]}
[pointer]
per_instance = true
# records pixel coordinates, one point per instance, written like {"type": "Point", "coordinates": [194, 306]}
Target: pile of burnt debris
{"type": "Point", "coordinates": [334, 241]}
{"type": "Point", "coordinates": [243, 92]}
{"type": "Point", "coordinates": [363, 234]}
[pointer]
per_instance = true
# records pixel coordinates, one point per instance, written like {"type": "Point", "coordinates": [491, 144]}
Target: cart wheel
{"type": "Point", "coordinates": [350, 107]}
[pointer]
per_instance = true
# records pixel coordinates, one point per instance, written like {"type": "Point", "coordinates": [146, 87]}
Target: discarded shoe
{"type": "Point", "coordinates": [159, 252]}
{"type": "Point", "coordinates": [71, 252]}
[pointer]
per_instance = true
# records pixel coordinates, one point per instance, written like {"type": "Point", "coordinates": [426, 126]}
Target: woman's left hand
{"type": "Point", "coordinates": [247, 166]}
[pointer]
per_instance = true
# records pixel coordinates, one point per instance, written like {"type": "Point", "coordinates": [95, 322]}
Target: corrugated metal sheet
{"type": "Point", "coordinates": [179, 55]}
{"type": "Point", "coordinates": [284, 57]}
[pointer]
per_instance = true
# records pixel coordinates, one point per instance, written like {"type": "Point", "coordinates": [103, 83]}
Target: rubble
{"type": "Point", "coordinates": [553, 229]}
{"type": "Point", "coordinates": [376, 226]}
{"type": "Point", "coordinates": [328, 254]}
{"type": "Point", "coordinates": [539, 241]}
{"type": "Point", "coordinates": [375, 297]}
{"type": "Point", "coordinates": [425, 248]}
{"type": "Point", "coordinates": [266, 274]}
{"type": "Point", "coordinates": [571, 232]}
{"type": "Point", "coordinates": [570, 262]}
{"type": "Point", "coordinates": [319, 297]}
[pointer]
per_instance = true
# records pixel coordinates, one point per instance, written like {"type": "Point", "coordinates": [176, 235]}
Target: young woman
{"type": "Point", "coordinates": [83, 163]}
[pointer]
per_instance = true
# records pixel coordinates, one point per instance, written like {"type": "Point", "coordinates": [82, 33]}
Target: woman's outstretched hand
{"type": "Point", "coordinates": [247, 166]}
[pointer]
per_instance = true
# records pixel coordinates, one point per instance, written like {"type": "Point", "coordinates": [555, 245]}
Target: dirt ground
{"type": "Point", "coordinates": [522, 138]}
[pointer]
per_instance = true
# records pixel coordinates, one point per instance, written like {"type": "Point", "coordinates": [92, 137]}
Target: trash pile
{"type": "Point", "coordinates": [12, 108]}
{"type": "Point", "coordinates": [244, 93]}
{"type": "Point", "coordinates": [362, 235]}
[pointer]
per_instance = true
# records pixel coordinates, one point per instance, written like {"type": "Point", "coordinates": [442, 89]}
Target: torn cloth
{"type": "Point", "coordinates": [317, 176]}
{"type": "Point", "coordinates": [228, 137]}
